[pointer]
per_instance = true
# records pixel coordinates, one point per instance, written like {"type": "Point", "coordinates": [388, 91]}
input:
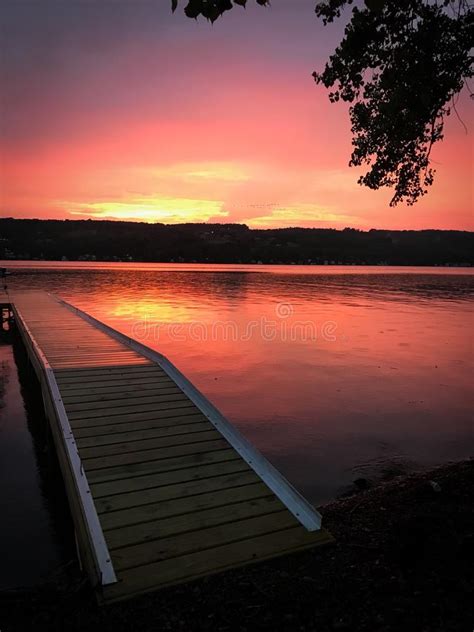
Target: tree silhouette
{"type": "Point", "coordinates": [400, 66]}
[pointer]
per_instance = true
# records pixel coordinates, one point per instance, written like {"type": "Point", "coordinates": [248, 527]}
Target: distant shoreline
{"type": "Point", "coordinates": [53, 264]}
{"type": "Point", "coordinates": [229, 244]}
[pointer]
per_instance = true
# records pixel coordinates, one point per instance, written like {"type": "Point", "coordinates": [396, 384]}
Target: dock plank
{"type": "Point", "coordinates": [151, 443]}
{"type": "Point", "coordinates": [155, 454]}
{"type": "Point", "coordinates": [199, 520]}
{"type": "Point", "coordinates": [121, 438]}
{"type": "Point", "coordinates": [145, 553]}
{"type": "Point", "coordinates": [115, 415]}
{"type": "Point", "coordinates": [88, 395]}
{"type": "Point", "coordinates": [115, 389]}
{"type": "Point", "coordinates": [168, 488]}
{"type": "Point", "coordinates": [187, 504]}
{"type": "Point", "coordinates": [162, 465]}
{"type": "Point", "coordinates": [116, 491]}
{"type": "Point", "coordinates": [136, 399]}
{"type": "Point", "coordinates": [171, 419]}
{"type": "Point", "coordinates": [209, 561]}
{"type": "Point", "coordinates": [184, 408]}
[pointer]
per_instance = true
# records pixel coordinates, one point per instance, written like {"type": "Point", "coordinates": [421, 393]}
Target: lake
{"type": "Point", "coordinates": [334, 373]}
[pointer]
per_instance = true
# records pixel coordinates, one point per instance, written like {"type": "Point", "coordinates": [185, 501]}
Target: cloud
{"type": "Point", "coordinates": [214, 172]}
{"type": "Point", "coordinates": [301, 215]}
{"type": "Point", "coordinates": [150, 209]}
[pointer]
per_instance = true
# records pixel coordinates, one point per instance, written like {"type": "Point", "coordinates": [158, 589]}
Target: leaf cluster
{"type": "Point", "coordinates": [211, 9]}
{"type": "Point", "coordinates": [399, 65]}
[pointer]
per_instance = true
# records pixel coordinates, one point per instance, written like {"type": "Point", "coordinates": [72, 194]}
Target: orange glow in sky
{"type": "Point", "coordinates": [133, 113]}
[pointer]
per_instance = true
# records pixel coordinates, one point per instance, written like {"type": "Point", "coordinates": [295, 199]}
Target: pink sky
{"type": "Point", "coordinates": [124, 111]}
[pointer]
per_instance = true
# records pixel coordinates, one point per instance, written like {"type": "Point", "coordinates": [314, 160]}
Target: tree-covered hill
{"type": "Point", "coordinates": [228, 243]}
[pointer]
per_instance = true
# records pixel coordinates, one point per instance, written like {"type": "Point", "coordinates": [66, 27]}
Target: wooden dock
{"type": "Point", "coordinates": [162, 488]}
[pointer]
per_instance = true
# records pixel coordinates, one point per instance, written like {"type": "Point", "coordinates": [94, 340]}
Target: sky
{"type": "Point", "coordinates": [117, 109]}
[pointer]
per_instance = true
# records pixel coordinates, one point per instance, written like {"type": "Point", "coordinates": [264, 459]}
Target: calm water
{"type": "Point", "coordinates": [334, 373]}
